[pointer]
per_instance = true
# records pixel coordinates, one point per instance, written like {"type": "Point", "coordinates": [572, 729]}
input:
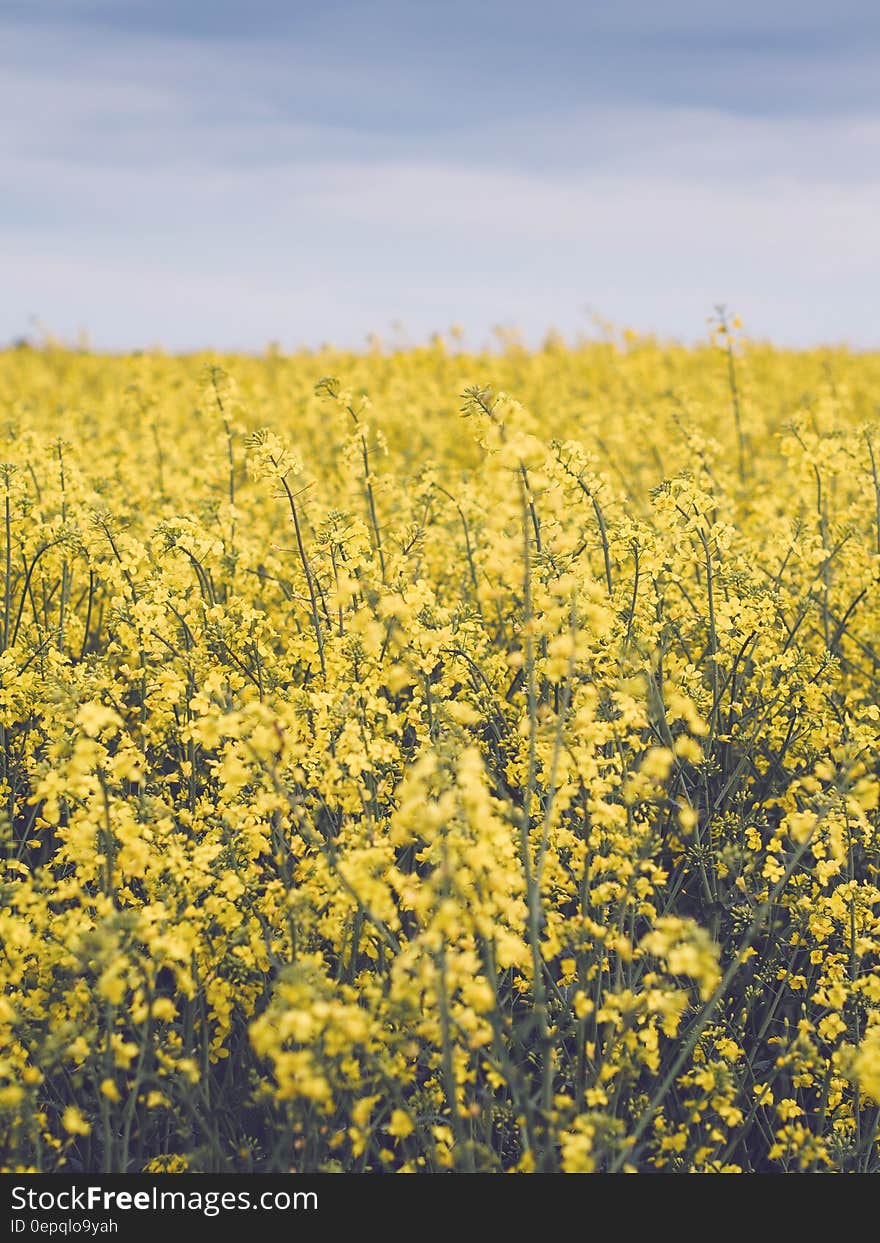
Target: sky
{"type": "Point", "coordinates": [230, 173]}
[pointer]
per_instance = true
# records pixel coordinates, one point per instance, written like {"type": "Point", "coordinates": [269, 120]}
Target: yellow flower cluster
{"type": "Point", "coordinates": [469, 763]}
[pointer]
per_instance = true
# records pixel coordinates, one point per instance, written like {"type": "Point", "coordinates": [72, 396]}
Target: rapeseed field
{"type": "Point", "coordinates": [424, 761]}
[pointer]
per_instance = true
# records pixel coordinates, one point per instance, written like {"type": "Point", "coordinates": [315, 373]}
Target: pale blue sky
{"type": "Point", "coordinates": [214, 172]}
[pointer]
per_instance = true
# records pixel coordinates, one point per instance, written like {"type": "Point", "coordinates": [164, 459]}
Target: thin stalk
{"type": "Point", "coordinates": [88, 621]}
{"type": "Point", "coordinates": [876, 480]}
{"type": "Point", "coordinates": [7, 586]}
{"type": "Point", "coordinates": [734, 392]}
{"type": "Point", "coordinates": [371, 502]}
{"type": "Point", "coordinates": [545, 1158]}
{"type": "Point", "coordinates": [307, 570]}
{"type": "Point", "coordinates": [461, 1145]}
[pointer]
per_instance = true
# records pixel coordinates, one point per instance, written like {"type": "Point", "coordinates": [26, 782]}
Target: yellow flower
{"type": "Point", "coordinates": [400, 1124]}
{"type": "Point", "coordinates": [95, 718]}
{"type": "Point", "coordinates": [164, 1009]}
{"type": "Point", "coordinates": [73, 1121]}
{"type": "Point", "coordinates": [110, 1090]}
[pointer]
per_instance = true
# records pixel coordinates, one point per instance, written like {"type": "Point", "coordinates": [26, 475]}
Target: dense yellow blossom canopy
{"type": "Point", "coordinates": [426, 761]}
